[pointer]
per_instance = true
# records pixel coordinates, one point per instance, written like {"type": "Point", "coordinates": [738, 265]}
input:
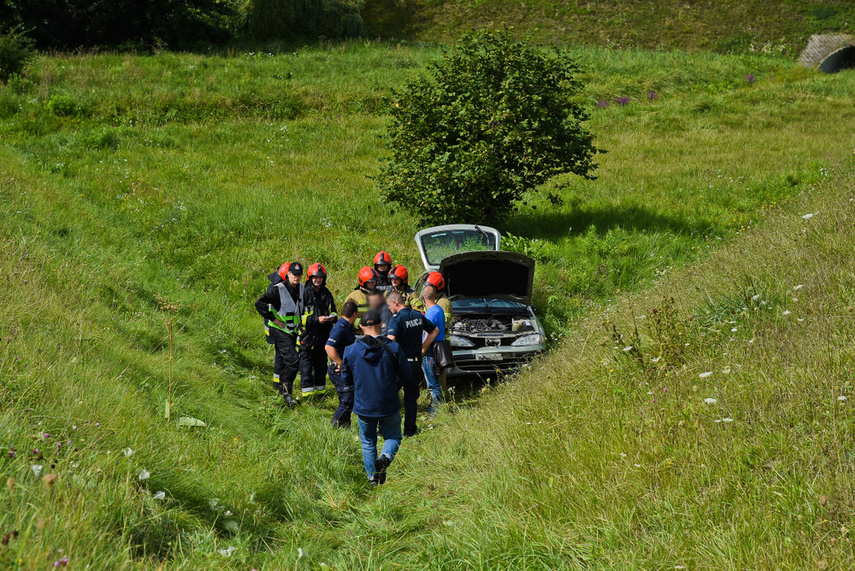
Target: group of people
{"type": "Point", "coordinates": [382, 343]}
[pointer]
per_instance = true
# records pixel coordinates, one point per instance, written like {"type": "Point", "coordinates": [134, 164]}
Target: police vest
{"type": "Point", "coordinates": [290, 311]}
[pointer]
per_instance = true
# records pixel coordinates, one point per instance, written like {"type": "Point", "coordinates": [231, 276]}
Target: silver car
{"type": "Point", "coordinates": [494, 327]}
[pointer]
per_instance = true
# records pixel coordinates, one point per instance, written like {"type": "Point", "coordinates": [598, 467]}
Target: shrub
{"type": "Point", "coordinates": [16, 50]}
{"type": "Point", "coordinates": [487, 122]}
{"type": "Point", "coordinates": [65, 106]}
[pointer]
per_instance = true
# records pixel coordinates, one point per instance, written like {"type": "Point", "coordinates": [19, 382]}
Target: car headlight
{"type": "Point", "coordinates": [534, 339]}
{"type": "Point", "coordinates": [460, 342]}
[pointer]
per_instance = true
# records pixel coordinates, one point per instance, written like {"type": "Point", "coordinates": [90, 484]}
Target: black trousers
{"type": "Point", "coordinates": [341, 417]}
{"type": "Point", "coordinates": [286, 362]}
{"type": "Point", "coordinates": [411, 397]}
{"type": "Point", "coordinates": [313, 368]}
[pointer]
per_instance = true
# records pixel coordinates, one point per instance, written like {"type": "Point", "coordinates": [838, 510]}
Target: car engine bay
{"type": "Point", "coordinates": [491, 325]}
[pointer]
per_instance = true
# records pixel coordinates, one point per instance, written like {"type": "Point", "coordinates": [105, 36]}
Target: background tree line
{"type": "Point", "coordinates": [70, 24]}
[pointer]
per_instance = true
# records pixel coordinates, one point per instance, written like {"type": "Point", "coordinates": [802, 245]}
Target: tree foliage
{"type": "Point", "coordinates": [275, 19]}
{"type": "Point", "coordinates": [16, 49]}
{"type": "Point", "coordinates": [81, 23]}
{"type": "Point", "coordinates": [486, 123]}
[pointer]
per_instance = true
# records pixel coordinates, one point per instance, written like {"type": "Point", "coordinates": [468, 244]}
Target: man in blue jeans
{"type": "Point", "coordinates": [341, 337]}
{"type": "Point", "coordinates": [372, 365]}
{"type": "Point", "coordinates": [435, 315]}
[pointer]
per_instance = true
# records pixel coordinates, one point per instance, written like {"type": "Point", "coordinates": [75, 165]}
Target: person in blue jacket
{"type": "Point", "coordinates": [372, 365]}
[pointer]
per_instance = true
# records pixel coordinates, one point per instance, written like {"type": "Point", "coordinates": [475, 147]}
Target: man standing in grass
{"type": "Point", "coordinates": [415, 334]}
{"type": "Point", "coordinates": [341, 337]}
{"type": "Point", "coordinates": [435, 315]}
{"type": "Point", "coordinates": [282, 309]}
{"type": "Point", "coordinates": [372, 365]}
{"type": "Point", "coordinates": [437, 282]}
{"type": "Point", "coordinates": [318, 321]}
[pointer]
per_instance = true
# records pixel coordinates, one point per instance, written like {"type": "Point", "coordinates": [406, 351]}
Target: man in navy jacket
{"type": "Point", "coordinates": [373, 365]}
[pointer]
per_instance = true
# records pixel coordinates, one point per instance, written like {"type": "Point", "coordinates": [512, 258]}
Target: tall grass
{"type": "Point", "coordinates": [141, 190]}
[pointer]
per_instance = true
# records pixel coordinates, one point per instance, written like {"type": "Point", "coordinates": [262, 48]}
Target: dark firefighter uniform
{"type": "Point", "coordinates": [382, 267]}
{"type": "Point", "coordinates": [313, 355]}
{"type": "Point", "coordinates": [283, 302]}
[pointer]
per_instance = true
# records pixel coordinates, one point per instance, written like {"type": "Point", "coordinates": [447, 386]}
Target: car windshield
{"type": "Point", "coordinates": [443, 243]}
{"type": "Point", "coordinates": [487, 305]}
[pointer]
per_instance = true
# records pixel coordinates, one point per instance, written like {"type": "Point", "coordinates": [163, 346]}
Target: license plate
{"type": "Point", "coordinates": [488, 356]}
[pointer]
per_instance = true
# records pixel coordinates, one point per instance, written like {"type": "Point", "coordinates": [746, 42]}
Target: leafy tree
{"type": "Point", "coordinates": [16, 49]}
{"type": "Point", "coordinates": [486, 123]}
{"type": "Point", "coordinates": [76, 23]}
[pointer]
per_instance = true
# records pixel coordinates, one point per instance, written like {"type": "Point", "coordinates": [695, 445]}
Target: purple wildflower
{"type": "Point", "coordinates": [622, 101]}
{"type": "Point", "coordinates": [750, 79]}
{"type": "Point", "coordinates": [45, 435]}
{"type": "Point", "coordinates": [602, 103]}
{"type": "Point", "coordinates": [652, 95]}
{"type": "Point", "coordinates": [61, 563]}
{"type": "Point", "coordinates": [97, 424]}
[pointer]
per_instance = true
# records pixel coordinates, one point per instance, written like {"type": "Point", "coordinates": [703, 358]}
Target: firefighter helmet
{"type": "Point", "coordinates": [399, 272]}
{"type": "Point", "coordinates": [317, 269]}
{"type": "Point", "coordinates": [366, 275]}
{"type": "Point", "coordinates": [436, 280]}
{"type": "Point", "coordinates": [382, 258]}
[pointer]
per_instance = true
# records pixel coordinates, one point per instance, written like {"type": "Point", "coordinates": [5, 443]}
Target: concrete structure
{"type": "Point", "coordinates": [829, 52]}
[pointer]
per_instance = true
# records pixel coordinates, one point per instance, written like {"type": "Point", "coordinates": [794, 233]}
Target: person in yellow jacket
{"type": "Point", "coordinates": [399, 278]}
{"type": "Point", "coordinates": [367, 283]}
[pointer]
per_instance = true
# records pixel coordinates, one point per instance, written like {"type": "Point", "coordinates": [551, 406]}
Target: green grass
{"type": "Point", "coordinates": [141, 191]}
{"type": "Point", "coordinates": [723, 26]}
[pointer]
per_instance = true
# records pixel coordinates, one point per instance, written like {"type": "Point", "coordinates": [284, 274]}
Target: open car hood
{"type": "Point", "coordinates": [490, 274]}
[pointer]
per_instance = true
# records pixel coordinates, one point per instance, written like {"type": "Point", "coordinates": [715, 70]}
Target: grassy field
{"type": "Point", "coordinates": [142, 194]}
{"type": "Point", "coordinates": [723, 26]}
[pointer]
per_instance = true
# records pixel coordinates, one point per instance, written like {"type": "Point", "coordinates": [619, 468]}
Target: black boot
{"type": "Point", "coordinates": [286, 395]}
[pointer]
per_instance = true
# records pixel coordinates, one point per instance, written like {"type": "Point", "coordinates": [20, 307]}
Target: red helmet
{"type": "Point", "coordinates": [382, 258]}
{"type": "Point", "coordinates": [366, 275]}
{"type": "Point", "coordinates": [399, 272]}
{"type": "Point", "coordinates": [317, 269]}
{"type": "Point", "coordinates": [283, 269]}
{"type": "Point", "coordinates": [436, 280]}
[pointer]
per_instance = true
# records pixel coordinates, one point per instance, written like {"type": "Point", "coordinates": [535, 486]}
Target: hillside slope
{"type": "Point", "coordinates": [706, 423]}
{"type": "Point", "coordinates": [724, 26]}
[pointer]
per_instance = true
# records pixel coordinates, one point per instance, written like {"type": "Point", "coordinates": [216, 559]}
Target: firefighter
{"type": "Point", "coordinates": [282, 308]}
{"type": "Point", "coordinates": [398, 279]}
{"type": "Point", "coordinates": [318, 321]}
{"type": "Point", "coordinates": [383, 265]}
{"type": "Point", "coordinates": [366, 283]}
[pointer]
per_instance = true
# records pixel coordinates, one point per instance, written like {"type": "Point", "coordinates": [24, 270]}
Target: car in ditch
{"type": "Point", "coordinates": [494, 326]}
